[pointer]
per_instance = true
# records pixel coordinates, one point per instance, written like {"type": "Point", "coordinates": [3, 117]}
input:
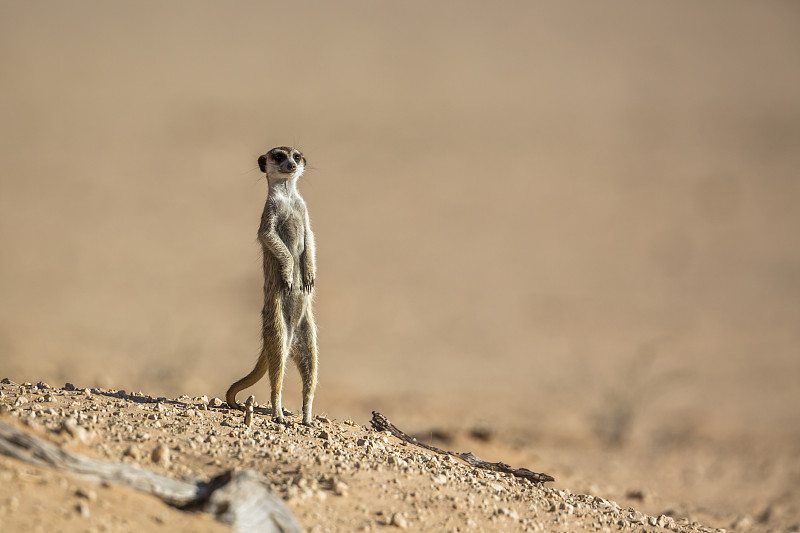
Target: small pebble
{"type": "Point", "coordinates": [161, 455]}
{"type": "Point", "coordinates": [87, 494]}
{"type": "Point", "coordinates": [340, 488]}
{"type": "Point", "coordinates": [71, 427]}
{"type": "Point", "coordinates": [133, 452]}
{"type": "Point", "coordinates": [83, 509]}
{"type": "Point", "coordinates": [399, 520]}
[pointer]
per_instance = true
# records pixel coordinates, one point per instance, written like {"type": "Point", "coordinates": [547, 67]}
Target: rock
{"type": "Point", "coordinates": [83, 509]}
{"type": "Point", "coordinates": [324, 435]}
{"type": "Point", "coordinates": [87, 494]}
{"type": "Point", "coordinates": [216, 402]}
{"type": "Point", "coordinates": [161, 455]}
{"type": "Point", "coordinates": [340, 488]}
{"type": "Point", "coordinates": [69, 386]}
{"type": "Point", "coordinates": [133, 452]}
{"type": "Point", "coordinates": [399, 520]}
{"type": "Point", "coordinates": [511, 513]}
{"type": "Point", "coordinates": [71, 427]}
{"type": "Point", "coordinates": [22, 400]}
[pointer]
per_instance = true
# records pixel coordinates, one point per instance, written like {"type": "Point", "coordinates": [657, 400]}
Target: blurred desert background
{"type": "Point", "coordinates": [573, 226]}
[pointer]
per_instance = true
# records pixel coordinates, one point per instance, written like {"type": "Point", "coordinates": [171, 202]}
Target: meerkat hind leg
{"type": "Point", "coordinates": [276, 357]}
{"type": "Point", "coordinates": [304, 353]}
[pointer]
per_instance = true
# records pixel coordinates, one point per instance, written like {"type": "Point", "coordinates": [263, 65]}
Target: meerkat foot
{"type": "Point", "coordinates": [278, 416]}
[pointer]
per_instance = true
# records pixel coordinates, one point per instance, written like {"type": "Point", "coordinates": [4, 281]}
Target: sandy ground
{"type": "Point", "coordinates": [334, 477]}
{"type": "Point", "coordinates": [571, 226]}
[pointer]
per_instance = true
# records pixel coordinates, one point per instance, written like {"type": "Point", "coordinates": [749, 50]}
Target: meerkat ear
{"type": "Point", "coordinates": [262, 163]}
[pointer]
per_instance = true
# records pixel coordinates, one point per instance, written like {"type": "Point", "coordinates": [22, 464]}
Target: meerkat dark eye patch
{"type": "Point", "coordinates": [278, 156]}
{"type": "Point", "coordinates": [297, 158]}
{"type": "Point", "coordinates": [262, 163]}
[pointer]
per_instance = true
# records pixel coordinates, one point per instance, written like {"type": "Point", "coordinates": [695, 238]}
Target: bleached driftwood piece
{"type": "Point", "coordinates": [240, 499]}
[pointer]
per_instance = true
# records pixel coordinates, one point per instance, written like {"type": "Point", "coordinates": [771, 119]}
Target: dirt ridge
{"type": "Point", "coordinates": [338, 476]}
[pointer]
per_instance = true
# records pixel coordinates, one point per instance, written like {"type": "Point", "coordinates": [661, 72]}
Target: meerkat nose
{"type": "Point", "coordinates": [292, 166]}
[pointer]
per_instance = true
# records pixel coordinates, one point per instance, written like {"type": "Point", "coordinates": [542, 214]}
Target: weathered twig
{"type": "Point", "coordinates": [381, 423]}
{"type": "Point", "coordinates": [241, 499]}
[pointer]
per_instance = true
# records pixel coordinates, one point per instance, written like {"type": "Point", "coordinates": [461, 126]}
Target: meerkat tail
{"type": "Point", "coordinates": [247, 381]}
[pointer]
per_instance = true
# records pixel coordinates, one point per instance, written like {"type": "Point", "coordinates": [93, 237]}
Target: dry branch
{"type": "Point", "coordinates": [240, 499]}
{"type": "Point", "coordinates": [381, 423]}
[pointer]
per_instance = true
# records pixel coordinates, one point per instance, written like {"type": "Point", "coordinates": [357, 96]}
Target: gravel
{"type": "Point", "coordinates": [344, 477]}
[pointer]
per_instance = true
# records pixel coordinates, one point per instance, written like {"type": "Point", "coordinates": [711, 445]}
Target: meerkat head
{"type": "Point", "coordinates": [282, 163]}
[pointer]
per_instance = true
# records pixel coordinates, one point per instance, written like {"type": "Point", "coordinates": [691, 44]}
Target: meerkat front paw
{"type": "Point", "coordinates": [287, 276]}
{"type": "Point", "coordinates": [308, 282]}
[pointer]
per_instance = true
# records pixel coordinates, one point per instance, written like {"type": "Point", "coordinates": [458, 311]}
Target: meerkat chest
{"type": "Point", "coordinates": [290, 225]}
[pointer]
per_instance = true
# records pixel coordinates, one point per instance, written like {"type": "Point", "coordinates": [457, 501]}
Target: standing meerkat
{"type": "Point", "coordinates": [289, 270]}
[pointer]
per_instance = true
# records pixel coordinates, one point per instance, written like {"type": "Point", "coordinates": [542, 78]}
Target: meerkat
{"type": "Point", "coordinates": [288, 327]}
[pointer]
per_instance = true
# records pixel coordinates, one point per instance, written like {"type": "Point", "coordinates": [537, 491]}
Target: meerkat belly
{"type": "Point", "coordinates": [292, 234]}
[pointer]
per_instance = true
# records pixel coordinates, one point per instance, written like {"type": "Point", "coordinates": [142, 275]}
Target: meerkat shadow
{"type": "Point", "coordinates": [268, 412]}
